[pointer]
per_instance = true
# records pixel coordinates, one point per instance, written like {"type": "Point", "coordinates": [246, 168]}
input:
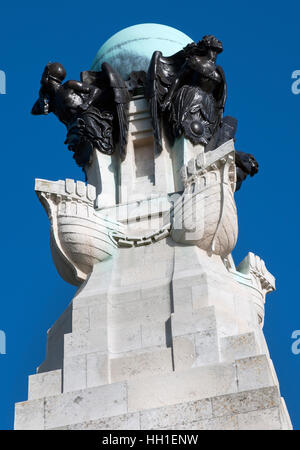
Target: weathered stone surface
{"type": "Point", "coordinates": [284, 416]}
{"type": "Point", "coordinates": [122, 422]}
{"type": "Point", "coordinates": [125, 339]}
{"type": "Point", "coordinates": [184, 352]}
{"type": "Point", "coordinates": [29, 415]}
{"type": "Point", "coordinates": [254, 372]}
{"type": "Point", "coordinates": [219, 423]}
{"type": "Point", "coordinates": [178, 387]}
{"type": "Point", "coordinates": [154, 334]}
{"type": "Point", "coordinates": [170, 416]}
{"type": "Point", "coordinates": [154, 362]}
{"type": "Point", "coordinates": [238, 346]}
{"type": "Point", "coordinates": [82, 342]}
{"type": "Point", "coordinates": [206, 347]}
{"type": "Point", "coordinates": [75, 373]}
{"type": "Point", "coordinates": [192, 322]}
{"type": "Point", "coordinates": [44, 384]}
{"type": "Point", "coordinates": [85, 405]}
{"type": "Point", "coordinates": [265, 419]}
{"type": "Point", "coordinates": [97, 369]}
{"type": "Point", "coordinates": [80, 319]}
{"type": "Point", "coordinates": [245, 401]}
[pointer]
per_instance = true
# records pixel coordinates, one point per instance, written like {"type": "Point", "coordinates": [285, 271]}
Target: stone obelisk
{"type": "Point", "coordinates": [164, 332]}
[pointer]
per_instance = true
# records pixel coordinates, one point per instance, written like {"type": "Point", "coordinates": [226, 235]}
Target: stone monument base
{"type": "Point", "coordinates": [159, 337]}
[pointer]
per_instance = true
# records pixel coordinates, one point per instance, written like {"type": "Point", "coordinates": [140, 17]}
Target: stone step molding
{"type": "Point", "coordinates": [174, 348]}
{"type": "Point", "coordinates": [211, 397]}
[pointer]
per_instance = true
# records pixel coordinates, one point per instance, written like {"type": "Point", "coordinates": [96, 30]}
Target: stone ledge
{"type": "Point", "coordinates": [122, 422]}
{"type": "Point", "coordinates": [179, 387]}
{"type": "Point", "coordinates": [219, 383]}
{"type": "Point", "coordinates": [255, 409]}
{"type": "Point", "coordinates": [89, 404]}
{"type": "Point", "coordinates": [267, 397]}
{"type": "Point", "coordinates": [72, 407]}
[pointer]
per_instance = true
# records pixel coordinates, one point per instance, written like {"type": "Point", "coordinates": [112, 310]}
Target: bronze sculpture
{"type": "Point", "coordinates": [189, 90]}
{"type": "Point", "coordinates": [187, 93]}
{"type": "Point", "coordinates": [94, 110]}
{"type": "Point", "coordinates": [246, 165]}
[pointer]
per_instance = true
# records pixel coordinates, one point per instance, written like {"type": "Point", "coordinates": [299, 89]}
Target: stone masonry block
{"type": "Point", "coordinates": [218, 423]}
{"type": "Point", "coordinates": [96, 369]}
{"type": "Point", "coordinates": [238, 346]}
{"type": "Point", "coordinates": [241, 402]}
{"type": "Point", "coordinates": [199, 296]}
{"type": "Point", "coordinates": [85, 405]}
{"type": "Point", "coordinates": [265, 419]}
{"type": "Point", "coordinates": [154, 334]}
{"type": "Point", "coordinates": [284, 416]}
{"type": "Point", "coordinates": [227, 325]}
{"type": "Point", "coordinates": [87, 300]}
{"type": "Point", "coordinates": [178, 387]}
{"type": "Point", "coordinates": [155, 289]}
{"type": "Point", "coordinates": [122, 422]}
{"type": "Point", "coordinates": [98, 316]}
{"type": "Point", "coordinates": [85, 342]}
{"type": "Point", "coordinates": [80, 319]}
{"type": "Point", "coordinates": [29, 415]}
{"type": "Point", "coordinates": [45, 384]}
{"type": "Point", "coordinates": [253, 373]}
{"type": "Point", "coordinates": [124, 295]}
{"type": "Point", "coordinates": [74, 373]}
{"type": "Point", "coordinates": [184, 352]}
{"type": "Point", "coordinates": [169, 416]}
{"type": "Point", "coordinates": [206, 347]}
{"type": "Point", "coordinates": [201, 320]}
{"type": "Point", "coordinates": [143, 364]}
{"type": "Point", "coordinates": [182, 299]}
{"type": "Point", "coordinates": [186, 279]}
{"type": "Point", "coordinates": [125, 339]}
{"type": "Point", "coordinates": [142, 274]}
{"type": "Point", "coordinates": [157, 308]}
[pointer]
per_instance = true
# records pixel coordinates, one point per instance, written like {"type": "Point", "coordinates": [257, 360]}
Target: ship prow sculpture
{"type": "Point", "coordinates": [164, 331]}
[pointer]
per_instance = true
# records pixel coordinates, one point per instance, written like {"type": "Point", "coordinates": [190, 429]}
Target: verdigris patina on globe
{"type": "Point", "coordinates": [131, 49]}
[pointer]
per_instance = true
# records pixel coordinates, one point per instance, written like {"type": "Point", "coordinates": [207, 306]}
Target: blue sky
{"type": "Point", "coordinates": [261, 50]}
